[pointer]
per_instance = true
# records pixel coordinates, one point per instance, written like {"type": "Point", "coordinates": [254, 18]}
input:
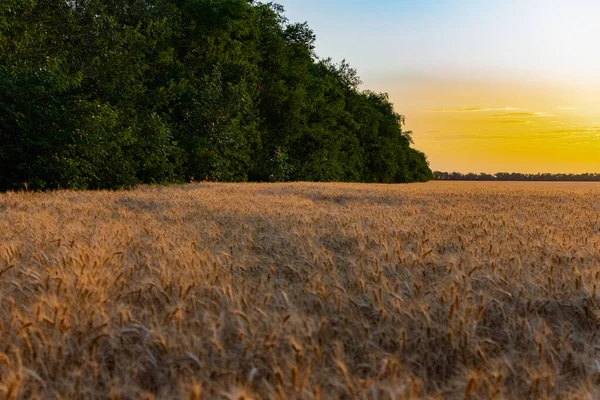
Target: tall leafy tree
{"type": "Point", "coordinates": [108, 94]}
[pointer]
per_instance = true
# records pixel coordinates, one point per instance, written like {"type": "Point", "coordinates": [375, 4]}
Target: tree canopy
{"type": "Point", "coordinates": [112, 93]}
{"type": "Point", "coordinates": [516, 176]}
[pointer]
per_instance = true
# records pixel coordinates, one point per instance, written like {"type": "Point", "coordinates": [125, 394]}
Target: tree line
{"type": "Point", "coordinates": [112, 93]}
{"type": "Point", "coordinates": [515, 176]}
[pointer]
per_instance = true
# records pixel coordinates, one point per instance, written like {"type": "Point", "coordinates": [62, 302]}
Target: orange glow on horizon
{"type": "Point", "coordinates": [477, 126]}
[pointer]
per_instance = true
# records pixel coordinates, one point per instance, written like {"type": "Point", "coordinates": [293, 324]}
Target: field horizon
{"type": "Point", "coordinates": [302, 291]}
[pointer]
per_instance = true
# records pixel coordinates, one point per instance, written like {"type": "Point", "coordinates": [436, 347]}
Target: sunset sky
{"type": "Point", "coordinates": [486, 85]}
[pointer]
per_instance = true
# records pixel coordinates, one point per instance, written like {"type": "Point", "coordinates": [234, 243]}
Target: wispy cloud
{"type": "Point", "coordinates": [570, 134]}
{"type": "Point", "coordinates": [591, 131]}
{"type": "Point", "coordinates": [515, 114]}
{"type": "Point", "coordinates": [522, 114]}
{"type": "Point", "coordinates": [470, 109]}
{"type": "Point", "coordinates": [460, 137]}
{"type": "Point", "coordinates": [515, 121]}
{"type": "Point", "coordinates": [500, 112]}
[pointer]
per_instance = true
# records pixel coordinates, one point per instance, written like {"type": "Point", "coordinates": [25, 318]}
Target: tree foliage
{"type": "Point", "coordinates": [108, 94]}
{"type": "Point", "coordinates": [516, 176]}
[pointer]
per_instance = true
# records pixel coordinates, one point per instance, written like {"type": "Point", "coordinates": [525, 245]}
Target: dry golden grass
{"type": "Point", "coordinates": [438, 290]}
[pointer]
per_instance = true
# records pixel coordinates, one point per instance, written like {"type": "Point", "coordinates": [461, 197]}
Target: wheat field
{"type": "Point", "coordinates": [302, 291]}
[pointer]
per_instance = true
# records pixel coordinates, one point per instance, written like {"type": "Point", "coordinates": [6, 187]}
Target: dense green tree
{"type": "Point", "coordinates": [111, 93]}
{"type": "Point", "coordinates": [516, 176]}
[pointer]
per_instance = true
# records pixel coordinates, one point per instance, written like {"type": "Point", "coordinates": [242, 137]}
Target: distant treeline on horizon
{"type": "Point", "coordinates": [107, 94]}
{"type": "Point", "coordinates": [515, 176]}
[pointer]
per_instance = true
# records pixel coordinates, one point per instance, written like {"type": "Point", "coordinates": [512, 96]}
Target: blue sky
{"type": "Point", "coordinates": [535, 58]}
{"type": "Point", "coordinates": [370, 35]}
{"type": "Point", "coordinates": [517, 37]}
